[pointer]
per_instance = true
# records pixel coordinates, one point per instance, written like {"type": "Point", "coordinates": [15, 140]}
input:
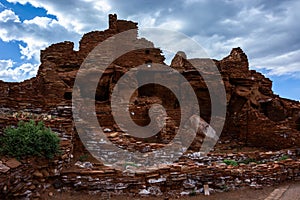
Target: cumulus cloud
{"type": "Point", "coordinates": [283, 64]}
{"type": "Point", "coordinates": [36, 34]}
{"type": "Point", "coordinates": [266, 31]}
{"type": "Point", "coordinates": [10, 72]}
{"type": "Point", "coordinates": [73, 18]}
{"type": "Point", "coordinates": [269, 35]}
{"type": "Point", "coordinates": [8, 16]}
{"type": "Point", "coordinates": [79, 16]}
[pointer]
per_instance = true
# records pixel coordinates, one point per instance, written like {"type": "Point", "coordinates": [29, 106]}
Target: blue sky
{"type": "Point", "coordinates": [268, 31]}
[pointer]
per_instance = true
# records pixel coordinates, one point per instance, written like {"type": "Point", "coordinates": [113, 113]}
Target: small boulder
{"type": "Point", "coordinates": [3, 168]}
{"type": "Point", "coordinates": [12, 163]}
{"type": "Point", "coordinates": [38, 174]}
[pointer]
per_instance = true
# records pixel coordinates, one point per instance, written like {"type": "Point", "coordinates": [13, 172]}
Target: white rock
{"type": "Point", "coordinates": [144, 192]}
{"type": "Point", "coordinates": [156, 180]}
{"type": "Point", "coordinates": [3, 168]}
{"type": "Point", "coordinates": [206, 190]}
{"type": "Point", "coordinates": [107, 130]}
{"type": "Point", "coordinates": [184, 193]}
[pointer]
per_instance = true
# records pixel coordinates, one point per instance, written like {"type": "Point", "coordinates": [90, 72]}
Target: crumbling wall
{"type": "Point", "coordinates": [247, 90]}
{"type": "Point", "coordinates": [186, 176]}
{"type": "Point", "coordinates": [254, 111]}
{"type": "Point", "coordinates": [255, 115]}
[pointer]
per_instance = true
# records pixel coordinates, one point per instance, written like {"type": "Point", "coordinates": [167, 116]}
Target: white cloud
{"type": "Point", "coordinates": [8, 16]}
{"type": "Point", "coordinates": [43, 22]}
{"type": "Point", "coordinates": [10, 72]}
{"type": "Point", "coordinates": [191, 2]}
{"type": "Point", "coordinates": [6, 64]}
{"type": "Point", "coordinates": [147, 20]}
{"type": "Point", "coordinates": [36, 34]}
{"type": "Point", "coordinates": [79, 16]}
{"type": "Point", "coordinates": [172, 24]}
{"type": "Point", "coordinates": [269, 35]}
{"type": "Point", "coordinates": [72, 19]}
{"type": "Point", "coordinates": [284, 64]}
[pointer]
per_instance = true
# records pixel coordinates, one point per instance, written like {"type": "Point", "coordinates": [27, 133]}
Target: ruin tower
{"type": "Point", "coordinates": [112, 21]}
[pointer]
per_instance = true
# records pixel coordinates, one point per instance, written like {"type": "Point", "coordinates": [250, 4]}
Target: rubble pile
{"type": "Point", "coordinates": [187, 175]}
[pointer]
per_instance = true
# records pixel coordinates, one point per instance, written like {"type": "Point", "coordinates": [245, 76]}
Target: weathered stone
{"type": "Point", "coordinates": [32, 187]}
{"type": "Point", "coordinates": [50, 194]}
{"type": "Point", "coordinates": [112, 135]}
{"type": "Point", "coordinates": [206, 190]}
{"type": "Point", "coordinates": [45, 173]}
{"type": "Point", "coordinates": [4, 168]}
{"type": "Point", "coordinates": [38, 174]}
{"type": "Point", "coordinates": [13, 163]}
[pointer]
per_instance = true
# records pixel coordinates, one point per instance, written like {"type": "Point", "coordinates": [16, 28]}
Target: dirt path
{"type": "Point", "coordinates": [288, 191]}
{"type": "Point", "coordinates": [292, 193]}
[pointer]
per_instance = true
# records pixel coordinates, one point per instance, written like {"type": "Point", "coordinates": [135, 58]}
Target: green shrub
{"type": "Point", "coordinates": [29, 139]}
{"type": "Point", "coordinates": [83, 157]}
{"type": "Point", "coordinates": [248, 160]}
{"type": "Point", "coordinates": [284, 157]}
{"type": "Point", "coordinates": [130, 164]}
{"type": "Point", "coordinates": [192, 193]}
{"type": "Point", "coordinates": [224, 188]}
{"type": "Point", "coordinates": [231, 162]}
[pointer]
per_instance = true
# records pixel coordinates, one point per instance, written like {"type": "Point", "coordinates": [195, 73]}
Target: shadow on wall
{"type": "Point", "coordinates": [298, 124]}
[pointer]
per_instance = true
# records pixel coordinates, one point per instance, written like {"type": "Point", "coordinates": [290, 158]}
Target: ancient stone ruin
{"type": "Point", "coordinates": [260, 130]}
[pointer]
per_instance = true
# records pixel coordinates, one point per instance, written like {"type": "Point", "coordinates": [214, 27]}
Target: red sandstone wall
{"type": "Point", "coordinates": [247, 90]}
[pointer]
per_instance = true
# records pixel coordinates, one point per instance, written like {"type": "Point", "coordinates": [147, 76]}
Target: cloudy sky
{"type": "Point", "coordinates": [267, 30]}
